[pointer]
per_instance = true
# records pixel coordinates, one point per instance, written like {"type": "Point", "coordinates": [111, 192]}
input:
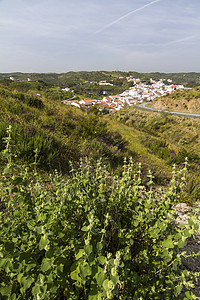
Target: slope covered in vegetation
{"type": "Point", "coordinates": [104, 230]}
{"type": "Point", "coordinates": [87, 83]}
{"type": "Point", "coordinates": [184, 101]}
{"type": "Point", "coordinates": [92, 236]}
{"type": "Point", "coordinates": [63, 134]}
{"type": "Point", "coordinates": [162, 140]}
{"type": "Point", "coordinates": [60, 133]}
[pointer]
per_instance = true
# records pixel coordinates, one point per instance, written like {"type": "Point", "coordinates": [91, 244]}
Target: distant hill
{"type": "Point", "coordinates": [71, 78]}
{"type": "Point", "coordinates": [180, 101]}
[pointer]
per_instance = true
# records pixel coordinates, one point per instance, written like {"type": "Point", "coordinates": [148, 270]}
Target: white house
{"type": "Point", "coordinates": [86, 102]}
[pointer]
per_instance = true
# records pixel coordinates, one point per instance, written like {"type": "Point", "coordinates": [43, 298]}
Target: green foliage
{"type": "Point", "coordinates": [30, 100]}
{"type": "Point", "coordinates": [60, 133]}
{"type": "Point", "coordinates": [180, 101]}
{"type": "Point", "coordinates": [71, 79]}
{"type": "Point", "coordinates": [186, 94]}
{"type": "Point", "coordinates": [191, 191]}
{"type": "Point", "coordinates": [158, 147]}
{"type": "Point", "coordinates": [81, 83]}
{"type": "Point", "coordinates": [167, 137]}
{"type": "Point", "coordinates": [92, 236]}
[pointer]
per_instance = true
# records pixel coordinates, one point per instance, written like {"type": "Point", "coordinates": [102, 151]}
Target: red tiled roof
{"type": "Point", "coordinates": [87, 100]}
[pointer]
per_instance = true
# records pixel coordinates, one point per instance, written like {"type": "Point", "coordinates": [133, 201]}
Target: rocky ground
{"type": "Point", "coordinates": [193, 245]}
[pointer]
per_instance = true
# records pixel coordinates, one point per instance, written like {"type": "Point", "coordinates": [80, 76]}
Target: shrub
{"type": "Point", "coordinates": [191, 191]}
{"type": "Point", "coordinates": [34, 101]}
{"type": "Point", "coordinates": [92, 236]}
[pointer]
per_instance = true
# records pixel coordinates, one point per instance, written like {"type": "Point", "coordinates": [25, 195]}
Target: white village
{"type": "Point", "coordinates": [138, 93]}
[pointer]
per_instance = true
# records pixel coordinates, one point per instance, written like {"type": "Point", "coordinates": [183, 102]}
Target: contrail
{"type": "Point", "coordinates": [187, 38]}
{"type": "Point", "coordinates": [123, 17]}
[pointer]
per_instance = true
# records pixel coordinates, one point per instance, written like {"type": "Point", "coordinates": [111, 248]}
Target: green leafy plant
{"type": "Point", "coordinates": [90, 236]}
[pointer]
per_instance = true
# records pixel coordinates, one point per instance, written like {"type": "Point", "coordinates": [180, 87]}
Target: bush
{"type": "Point", "coordinates": [29, 100]}
{"type": "Point", "coordinates": [92, 236]}
{"type": "Point", "coordinates": [191, 191]}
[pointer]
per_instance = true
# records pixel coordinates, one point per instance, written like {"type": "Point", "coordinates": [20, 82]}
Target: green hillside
{"type": "Point", "coordinates": [161, 140]}
{"type": "Point", "coordinates": [86, 83]}
{"type": "Point", "coordinates": [63, 134]}
{"type": "Point", "coordinates": [180, 101]}
{"type": "Point", "coordinates": [87, 200]}
{"type": "Point", "coordinates": [59, 132]}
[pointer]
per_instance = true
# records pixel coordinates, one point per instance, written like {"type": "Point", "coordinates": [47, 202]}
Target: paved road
{"type": "Point", "coordinates": [144, 105]}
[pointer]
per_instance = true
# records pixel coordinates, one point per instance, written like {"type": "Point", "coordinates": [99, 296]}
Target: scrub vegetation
{"type": "Point", "coordinates": [87, 200]}
{"type": "Point", "coordinates": [92, 236]}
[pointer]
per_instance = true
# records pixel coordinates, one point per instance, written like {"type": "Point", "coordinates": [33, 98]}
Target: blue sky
{"type": "Point", "coordinates": [127, 35]}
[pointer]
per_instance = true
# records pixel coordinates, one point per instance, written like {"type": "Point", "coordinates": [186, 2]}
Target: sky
{"type": "Point", "coordinates": [40, 36]}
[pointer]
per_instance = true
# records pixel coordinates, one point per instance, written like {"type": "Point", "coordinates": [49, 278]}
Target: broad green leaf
{"type": "Point", "coordinates": [41, 279]}
{"type": "Point", "coordinates": [105, 285]}
{"type": "Point", "coordinates": [26, 282]}
{"type": "Point", "coordinates": [50, 252]}
{"type": "Point", "coordinates": [39, 290]}
{"type": "Point", "coordinates": [100, 277]}
{"type": "Point", "coordinates": [8, 267]}
{"type": "Point", "coordinates": [99, 246]}
{"type": "Point", "coordinates": [85, 269]}
{"type": "Point", "coordinates": [85, 228]}
{"type": "Point", "coordinates": [186, 233]}
{"type": "Point", "coordinates": [54, 289]}
{"type": "Point", "coordinates": [3, 262]}
{"type": "Point", "coordinates": [13, 297]}
{"type": "Point", "coordinates": [61, 235]}
{"type": "Point", "coordinates": [36, 291]}
{"type": "Point", "coordinates": [43, 243]}
{"type": "Point", "coordinates": [43, 289]}
{"type": "Point", "coordinates": [181, 243]}
{"type": "Point", "coordinates": [6, 290]}
{"type": "Point", "coordinates": [29, 267]}
{"type": "Point", "coordinates": [75, 270]}
{"type": "Point", "coordinates": [59, 269]}
{"type": "Point", "coordinates": [101, 259]}
{"type": "Point", "coordinates": [191, 222]}
{"type": "Point", "coordinates": [189, 295]}
{"type": "Point", "coordinates": [16, 267]}
{"type": "Point", "coordinates": [111, 285]}
{"type": "Point", "coordinates": [20, 277]}
{"type": "Point", "coordinates": [178, 290]}
{"type": "Point", "coordinates": [93, 297]}
{"type": "Point", "coordinates": [88, 249]}
{"type": "Point", "coordinates": [165, 253]}
{"type": "Point", "coordinates": [91, 257]}
{"type": "Point", "coordinates": [46, 264]}
{"type": "Point", "coordinates": [75, 275]}
{"type": "Point", "coordinates": [80, 254]}
{"type": "Point", "coordinates": [168, 244]}
{"type": "Point", "coordinates": [115, 279]}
